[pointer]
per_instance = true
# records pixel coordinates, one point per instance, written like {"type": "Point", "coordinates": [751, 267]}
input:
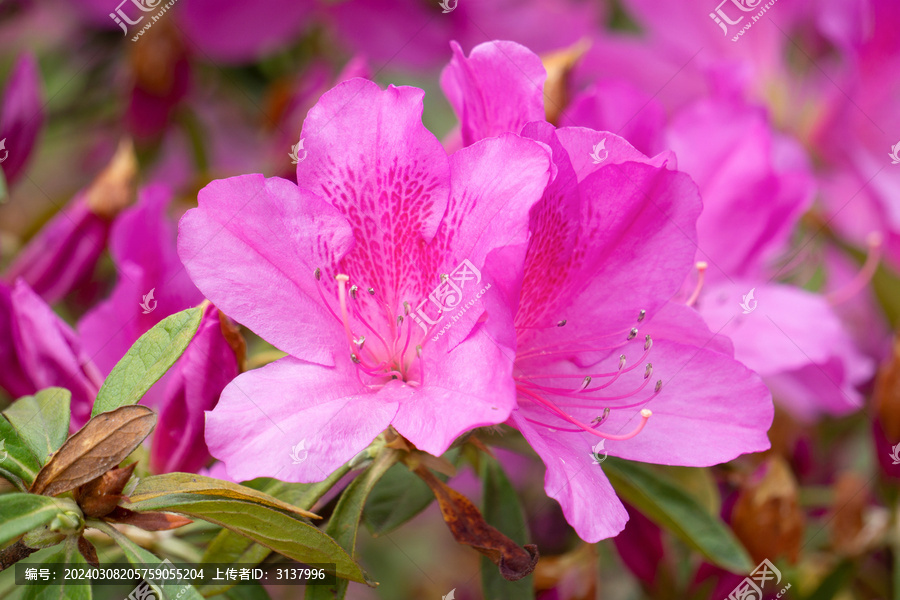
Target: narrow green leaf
{"type": "Point", "coordinates": [24, 512]}
{"type": "Point", "coordinates": [190, 483]}
{"type": "Point", "coordinates": [58, 590]}
{"type": "Point", "coordinates": [502, 510]}
{"type": "Point", "coordinates": [230, 547]}
{"type": "Point", "coordinates": [344, 522]}
{"type": "Point", "coordinates": [147, 360]}
{"type": "Point", "coordinates": [669, 506]}
{"type": "Point", "coordinates": [136, 555]}
{"type": "Point", "coordinates": [42, 420]}
{"type": "Point", "coordinates": [18, 463]}
{"type": "Point", "coordinates": [283, 532]}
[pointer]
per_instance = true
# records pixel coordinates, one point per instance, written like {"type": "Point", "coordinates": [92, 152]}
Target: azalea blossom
{"type": "Point", "coordinates": [387, 274]}
{"type": "Point", "coordinates": [21, 117]}
{"type": "Point", "coordinates": [602, 352]}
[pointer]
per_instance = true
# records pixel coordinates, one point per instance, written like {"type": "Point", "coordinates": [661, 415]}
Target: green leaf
{"type": "Point", "coordinates": [397, 497]}
{"type": "Point", "coordinates": [42, 420]}
{"type": "Point", "coordinates": [69, 590]}
{"type": "Point", "coordinates": [283, 532]}
{"type": "Point", "coordinates": [136, 555]}
{"type": "Point", "coordinates": [669, 506]}
{"type": "Point", "coordinates": [147, 360]}
{"type": "Point", "coordinates": [230, 547]}
{"type": "Point", "coordinates": [24, 512]}
{"type": "Point", "coordinates": [19, 465]}
{"type": "Point", "coordinates": [503, 511]}
{"type": "Point", "coordinates": [344, 522]}
{"type": "Point", "coordinates": [190, 483]}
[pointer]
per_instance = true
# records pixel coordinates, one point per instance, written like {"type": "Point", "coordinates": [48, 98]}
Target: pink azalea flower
{"type": "Point", "coordinates": [347, 272]}
{"type": "Point", "coordinates": [599, 344]}
{"type": "Point", "coordinates": [64, 253]}
{"type": "Point", "coordinates": [21, 117]}
{"type": "Point", "coordinates": [153, 285]}
{"type": "Point", "coordinates": [143, 249]}
{"type": "Point", "coordinates": [39, 350]}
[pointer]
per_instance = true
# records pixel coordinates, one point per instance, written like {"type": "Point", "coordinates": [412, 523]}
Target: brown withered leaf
{"type": "Point", "coordinates": [469, 527]}
{"type": "Point", "coordinates": [88, 551]}
{"type": "Point", "coordinates": [101, 444]}
{"type": "Point", "coordinates": [100, 496]}
{"type": "Point", "coordinates": [148, 521]}
{"type": "Point", "coordinates": [767, 516]}
{"type": "Point", "coordinates": [887, 395]}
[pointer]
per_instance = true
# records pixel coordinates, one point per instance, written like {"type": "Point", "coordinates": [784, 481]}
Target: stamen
{"type": "Point", "coordinates": [658, 386]}
{"type": "Point", "coordinates": [345, 317]}
{"type": "Point", "coordinates": [648, 343]}
{"type": "Point", "coordinates": [353, 290]}
{"type": "Point", "coordinates": [318, 273]}
{"type": "Point", "coordinates": [641, 315]}
{"type": "Point", "coordinates": [645, 416]}
{"type": "Point", "coordinates": [648, 371]}
{"type": "Point", "coordinates": [360, 342]}
{"type": "Point", "coordinates": [599, 420]}
{"type": "Point", "coordinates": [632, 334]}
{"type": "Point", "coordinates": [586, 382]}
{"type": "Point", "coordinates": [865, 274]}
{"type": "Point", "coordinates": [562, 323]}
{"type": "Point", "coordinates": [444, 277]}
{"type": "Point", "coordinates": [372, 291]}
{"type": "Point", "coordinates": [701, 275]}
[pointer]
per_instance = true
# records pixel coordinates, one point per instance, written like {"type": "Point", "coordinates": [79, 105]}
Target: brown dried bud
{"type": "Point", "coordinates": [887, 395]}
{"type": "Point", "coordinates": [115, 187]}
{"type": "Point", "coordinates": [556, 88]}
{"type": "Point", "coordinates": [767, 517]}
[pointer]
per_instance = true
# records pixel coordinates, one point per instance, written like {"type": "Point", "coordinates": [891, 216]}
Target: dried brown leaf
{"type": "Point", "coordinates": [97, 447]}
{"type": "Point", "coordinates": [148, 521]}
{"type": "Point", "coordinates": [469, 527]}
{"type": "Point", "coordinates": [100, 496]}
{"type": "Point", "coordinates": [88, 551]}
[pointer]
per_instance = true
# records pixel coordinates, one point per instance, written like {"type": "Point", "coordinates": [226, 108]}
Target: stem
{"type": "Point", "coordinates": [13, 554]}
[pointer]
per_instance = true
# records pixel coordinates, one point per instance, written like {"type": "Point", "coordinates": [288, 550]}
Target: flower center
{"type": "Point", "coordinates": [390, 353]}
{"type": "Point", "coordinates": [557, 402]}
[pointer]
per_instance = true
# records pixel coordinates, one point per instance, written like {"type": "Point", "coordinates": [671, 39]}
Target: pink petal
{"type": "Point", "coordinates": [588, 500]}
{"type": "Point", "coordinates": [265, 414]}
{"type": "Point", "coordinates": [252, 247]}
{"type": "Point", "coordinates": [497, 89]}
